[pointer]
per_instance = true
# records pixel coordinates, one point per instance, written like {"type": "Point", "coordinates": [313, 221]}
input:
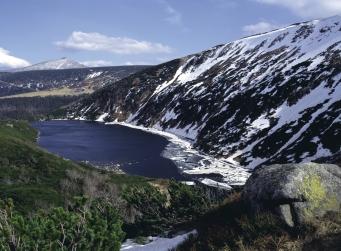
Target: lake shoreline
{"type": "Point", "coordinates": [191, 163]}
{"type": "Point", "coordinates": [195, 165]}
{"type": "Point", "coordinates": [132, 151]}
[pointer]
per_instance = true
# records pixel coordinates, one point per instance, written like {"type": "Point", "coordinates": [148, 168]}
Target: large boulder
{"type": "Point", "coordinates": [298, 193]}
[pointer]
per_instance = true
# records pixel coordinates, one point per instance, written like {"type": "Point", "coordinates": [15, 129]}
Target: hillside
{"type": "Point", "coordinates": [32, 108]}
{"type": "Point", "coordinates": [74, 81]}
{"type": "Point", "coordinates": [42, 196]}
{"type": "Point", "coordinates": [268, 98]}
{"type": "Point", "coordinates": [35, 179]}
{"type": "Point", "coordinates": [9, 89]}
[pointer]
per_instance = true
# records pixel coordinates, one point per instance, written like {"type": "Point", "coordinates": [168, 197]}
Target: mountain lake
{"type": "Point", "coordinates": [108, 146]}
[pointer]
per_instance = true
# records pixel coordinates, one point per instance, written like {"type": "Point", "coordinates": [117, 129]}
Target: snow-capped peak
{"type": "Point", "coordinates": [63, 63]}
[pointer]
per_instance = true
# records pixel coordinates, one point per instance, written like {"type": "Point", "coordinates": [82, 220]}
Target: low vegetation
{"type": "Point", "coordinates": [32, 108]}
{"type": "Point", "coordinates": [42, 186]}
{"type": "Point", "coordinates": [49, 203]}
{"type": "Point", "coordinates": [62, 92]}
{"type": "Point", "coordinates": [36, 179]}
{"type": "Point", "coordinates": [83, 226]}
{"type": "Point", "coordinates": [231, 227]}
{"type": "Point", "coordinates": [174, 208]}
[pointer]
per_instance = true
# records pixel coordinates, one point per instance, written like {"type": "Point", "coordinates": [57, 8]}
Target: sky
{"type": "Point", "coordinates": [125, 32]}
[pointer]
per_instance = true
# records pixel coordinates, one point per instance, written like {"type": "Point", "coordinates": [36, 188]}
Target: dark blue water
{"type": "Point", "coordinates": [135, 151]}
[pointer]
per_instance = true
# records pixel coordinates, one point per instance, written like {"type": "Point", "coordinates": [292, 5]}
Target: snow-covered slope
{"type": "Point", "coordinates": [268, 98]}
{"type": "Point", "coordinates": [63, 63]}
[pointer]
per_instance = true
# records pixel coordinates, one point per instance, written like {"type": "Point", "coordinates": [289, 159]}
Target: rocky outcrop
{"type": "Point", "coordinates": [297, 193]}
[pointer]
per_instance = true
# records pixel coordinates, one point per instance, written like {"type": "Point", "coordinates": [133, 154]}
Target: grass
{"type": "Point", "coordinates": [64, 91]}
{"type": "Point", "coordinates": [17, 130]}
{"type": "Point", "coordinates": [29, 175]}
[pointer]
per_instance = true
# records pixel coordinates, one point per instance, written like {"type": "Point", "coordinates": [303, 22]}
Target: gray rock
{"type": "Point", "coordinates": [297, 193]}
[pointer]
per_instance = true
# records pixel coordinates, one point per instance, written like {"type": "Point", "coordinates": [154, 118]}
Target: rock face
{"type": "Point", "coordinates": [296, 192]}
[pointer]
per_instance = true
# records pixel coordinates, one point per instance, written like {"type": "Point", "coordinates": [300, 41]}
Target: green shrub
{"type": "Point", "coordinates": [158, 210]}
{"type": "Point", "coordinates": [150, 206]}
{"type": "Point", "coordinates": [186, 202]}
{"type": "Point", "coordinates": [96, 226]}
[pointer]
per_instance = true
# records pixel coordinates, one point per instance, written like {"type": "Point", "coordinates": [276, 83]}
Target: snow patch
{"type": "Point", "coordinates": [102, 117]}
{"type": "Point", "coordinates": [94, 75]}
{"type": "Point", "coordinates": [212, 183]}
{"type": "Point", "coordinates": [157, 243]}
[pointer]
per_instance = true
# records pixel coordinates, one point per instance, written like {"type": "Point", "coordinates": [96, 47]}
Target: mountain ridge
{"type": "Point", "coordinates": [263, 99]}
{"type": "Point", "coordinates": [89, 78]}
{"type": "Point", "coordinates": [57, 64]}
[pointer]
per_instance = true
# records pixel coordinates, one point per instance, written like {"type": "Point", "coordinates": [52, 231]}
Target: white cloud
{"type": "Point", "coordinates": [309, 8]}
{"type": "Point", "coordinates": [7, 60]}
{"type": "Point", "coordinates": [260, 27]}
{"type": "Point", "coordinates": [119, 45]}
{"type": "Point", "coordinates": [97, 63]}
{"type": "Point", "coordinates": [174, 16]}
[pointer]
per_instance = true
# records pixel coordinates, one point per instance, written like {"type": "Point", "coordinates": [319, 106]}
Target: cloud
{"type": "Point", "coordinates": [308, 8]}
{"type": "Point", "coordinates": [6, 60]}
{"type": "Point", "coordinates": [97, 63]}
{"type": "Point", "coordinates": [260, 27]}
{"type": "Point", "coordinates": [119, 45]}
{"type": "Point", "coordinates": [173, 16]}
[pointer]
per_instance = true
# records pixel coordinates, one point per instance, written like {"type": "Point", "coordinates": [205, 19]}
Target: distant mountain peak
{"type": "Point", "coordinates": [58, 64]}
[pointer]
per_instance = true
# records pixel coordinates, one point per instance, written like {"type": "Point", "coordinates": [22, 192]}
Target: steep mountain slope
{"type": "Point", "coordinates": [59, 64]}
{"type": "Point", "coordinates": [268, 98]}
{"type": "Point", "coordinates": [81, 78]}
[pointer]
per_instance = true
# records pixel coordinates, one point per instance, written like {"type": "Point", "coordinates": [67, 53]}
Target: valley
{"type": "Point", "coordinates": [264, 99]}
{"type": "Point", "coordinates": [137, 137]}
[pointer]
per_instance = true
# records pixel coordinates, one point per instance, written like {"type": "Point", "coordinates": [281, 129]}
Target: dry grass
{"type": "Point", "coordinates": [65, 91]}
